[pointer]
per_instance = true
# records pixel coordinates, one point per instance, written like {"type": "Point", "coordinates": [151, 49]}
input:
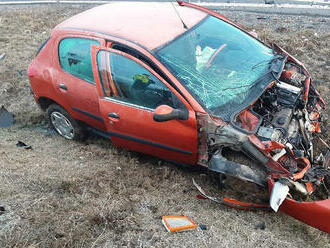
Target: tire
{"type": "Point", "coordinates": [59, 119]}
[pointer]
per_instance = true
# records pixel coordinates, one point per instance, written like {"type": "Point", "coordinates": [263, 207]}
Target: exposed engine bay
{"type": "Point", "coordinates": [293, 118]}
{"type": "Point", "coordinates": [285, 119]}
{"type": "Point", "coordinates": [279, 131]}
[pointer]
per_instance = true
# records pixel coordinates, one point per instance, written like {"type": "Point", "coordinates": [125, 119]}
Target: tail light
{"type": "Point", "coordinates": [32, 72]}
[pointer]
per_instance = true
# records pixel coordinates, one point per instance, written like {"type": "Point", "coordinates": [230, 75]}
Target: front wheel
{"type": "Point", "coordinates": [63, 123]}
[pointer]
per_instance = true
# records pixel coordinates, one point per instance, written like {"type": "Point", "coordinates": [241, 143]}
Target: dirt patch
{"type": "Point", "coordinates": [91, 194]}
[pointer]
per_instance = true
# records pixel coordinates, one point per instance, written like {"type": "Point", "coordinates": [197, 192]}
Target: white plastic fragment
{"type": "Point", "coordinates": [2, 56]}
{"type": "Point", "coordinates": [278, 195]}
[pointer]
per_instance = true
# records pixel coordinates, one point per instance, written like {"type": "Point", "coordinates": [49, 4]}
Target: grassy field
{"type": "Point", "coordinates": [91, 194]}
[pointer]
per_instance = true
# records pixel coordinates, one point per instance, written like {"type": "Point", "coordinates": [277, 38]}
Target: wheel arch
{"type": "Point", "coordinates": [45, 102]}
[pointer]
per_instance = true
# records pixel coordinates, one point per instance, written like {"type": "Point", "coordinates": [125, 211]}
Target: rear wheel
{"type": "Point", "coordinates": [63, 123]}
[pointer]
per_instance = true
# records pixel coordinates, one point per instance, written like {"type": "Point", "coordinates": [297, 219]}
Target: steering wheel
{"type": "Point", "coordinates": [208, 63]}
{"type": "Point", "coordinates": [163, 98]}
{"type": "Point", "coordinates": [144, 94]}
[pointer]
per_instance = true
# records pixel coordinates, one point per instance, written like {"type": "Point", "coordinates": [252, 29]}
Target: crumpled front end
{"type": "Point", "coordinates": [282, 131]}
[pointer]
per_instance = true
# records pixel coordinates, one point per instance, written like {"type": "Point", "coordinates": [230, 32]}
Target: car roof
{"type": "Point", "coordinates": [149, 24]}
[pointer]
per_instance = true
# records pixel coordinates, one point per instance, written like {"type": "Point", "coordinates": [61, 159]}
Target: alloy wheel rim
{"type": "Point", "coordinates": [62, 125]}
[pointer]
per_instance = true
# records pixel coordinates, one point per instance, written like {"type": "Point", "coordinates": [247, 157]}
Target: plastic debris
{"type": "Point", "coordinates": [22, 144]}
{"type": "Point", "coordinates": [202, 227]}
{"type": "Point", "coordinates": [260, 226]}
{"type": "Point", "coordinates": [2, 210]}
{"type": "Point", "coordinates": [278, 195]}
{"type": "Point", "coordinates": [6, 118]}
{"type": "Point", "coordinates": [230, 202]}
{"type": "Point", "coordinates": [2, 56]}
{"type": "Point", "coordinates": [178, 223]}
{"type": "Point", "coordinates": [263, 18]}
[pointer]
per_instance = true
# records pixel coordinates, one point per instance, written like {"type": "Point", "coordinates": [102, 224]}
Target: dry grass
{"type": "Point", "coordinates": [90, 194]}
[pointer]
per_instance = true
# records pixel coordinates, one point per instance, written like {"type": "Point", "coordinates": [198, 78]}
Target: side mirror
{"type": "Point", "coordinates": [167, 113]}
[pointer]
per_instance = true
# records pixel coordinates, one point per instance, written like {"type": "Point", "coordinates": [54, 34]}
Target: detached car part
{"type": "Point", "coordinates": [6, 118]}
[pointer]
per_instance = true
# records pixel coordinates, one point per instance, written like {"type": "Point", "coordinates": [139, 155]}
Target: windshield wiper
{"type": "Point", "coordinates": [267, 61]}
{"type": "Point", "coordinates": [277, 64]}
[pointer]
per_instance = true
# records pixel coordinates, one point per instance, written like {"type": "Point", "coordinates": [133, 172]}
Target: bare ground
{"type": "Point", "coordinates": [91, 194]}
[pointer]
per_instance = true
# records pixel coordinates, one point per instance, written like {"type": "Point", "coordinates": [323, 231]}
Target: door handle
{"type": "Point", "coordinates": [63, 87]}
{"type": "Point", "coordinates": [113, 115]}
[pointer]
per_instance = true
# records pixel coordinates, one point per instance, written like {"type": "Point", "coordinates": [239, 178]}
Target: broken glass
{"type": "Point", "coordinates": [216, 62]}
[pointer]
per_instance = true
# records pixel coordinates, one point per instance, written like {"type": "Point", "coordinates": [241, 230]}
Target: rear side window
{"type": "Point", "coordinates": [75, 57]}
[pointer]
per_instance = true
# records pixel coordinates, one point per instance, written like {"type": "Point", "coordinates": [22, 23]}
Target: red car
{"type": "Point", "coordinates": [182, 83]}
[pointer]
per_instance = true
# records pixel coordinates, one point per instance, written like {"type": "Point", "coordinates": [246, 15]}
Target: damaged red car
{"type": "Point", "coordinates": [182, 83]}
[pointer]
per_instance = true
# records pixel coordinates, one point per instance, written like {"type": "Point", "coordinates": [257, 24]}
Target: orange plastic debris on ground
{"type": "Point", "coordinates": [178, 223]}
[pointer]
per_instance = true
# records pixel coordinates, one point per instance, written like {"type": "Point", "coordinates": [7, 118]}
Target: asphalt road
{"type": "Point", "coordinates": [304, 2]}
{"type": "Point", "coordinates": [291, 7]}
{"type": "Point", "coordinates": [297, 2]}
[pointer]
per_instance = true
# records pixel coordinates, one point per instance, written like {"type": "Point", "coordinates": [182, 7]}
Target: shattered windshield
{"type": "Point", "coordinates": [218, 63]}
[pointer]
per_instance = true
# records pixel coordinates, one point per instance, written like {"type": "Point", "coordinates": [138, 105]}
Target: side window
{"type": "Point", "coordinates": [134, 83]}
{"type": "Point", "coordinates": [75, 57]}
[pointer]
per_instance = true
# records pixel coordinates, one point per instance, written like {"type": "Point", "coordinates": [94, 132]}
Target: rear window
{"type": "Point", "coordinates": [75, 57]}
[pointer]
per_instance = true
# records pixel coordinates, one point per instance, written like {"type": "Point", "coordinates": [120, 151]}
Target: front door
{"type": "Point", "coordinates": [129, 93]}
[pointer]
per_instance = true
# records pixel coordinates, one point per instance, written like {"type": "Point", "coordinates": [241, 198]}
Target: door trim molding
{"type": "Point", "coordinates": [143, 141]}
{"type": "Point", "coordinates": [99, 118]}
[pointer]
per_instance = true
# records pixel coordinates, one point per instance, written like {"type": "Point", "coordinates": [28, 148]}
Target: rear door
{"type": "Point", "coordinates": [74, 80]}
{"type": "Point", "coordinates": [129, 93]}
